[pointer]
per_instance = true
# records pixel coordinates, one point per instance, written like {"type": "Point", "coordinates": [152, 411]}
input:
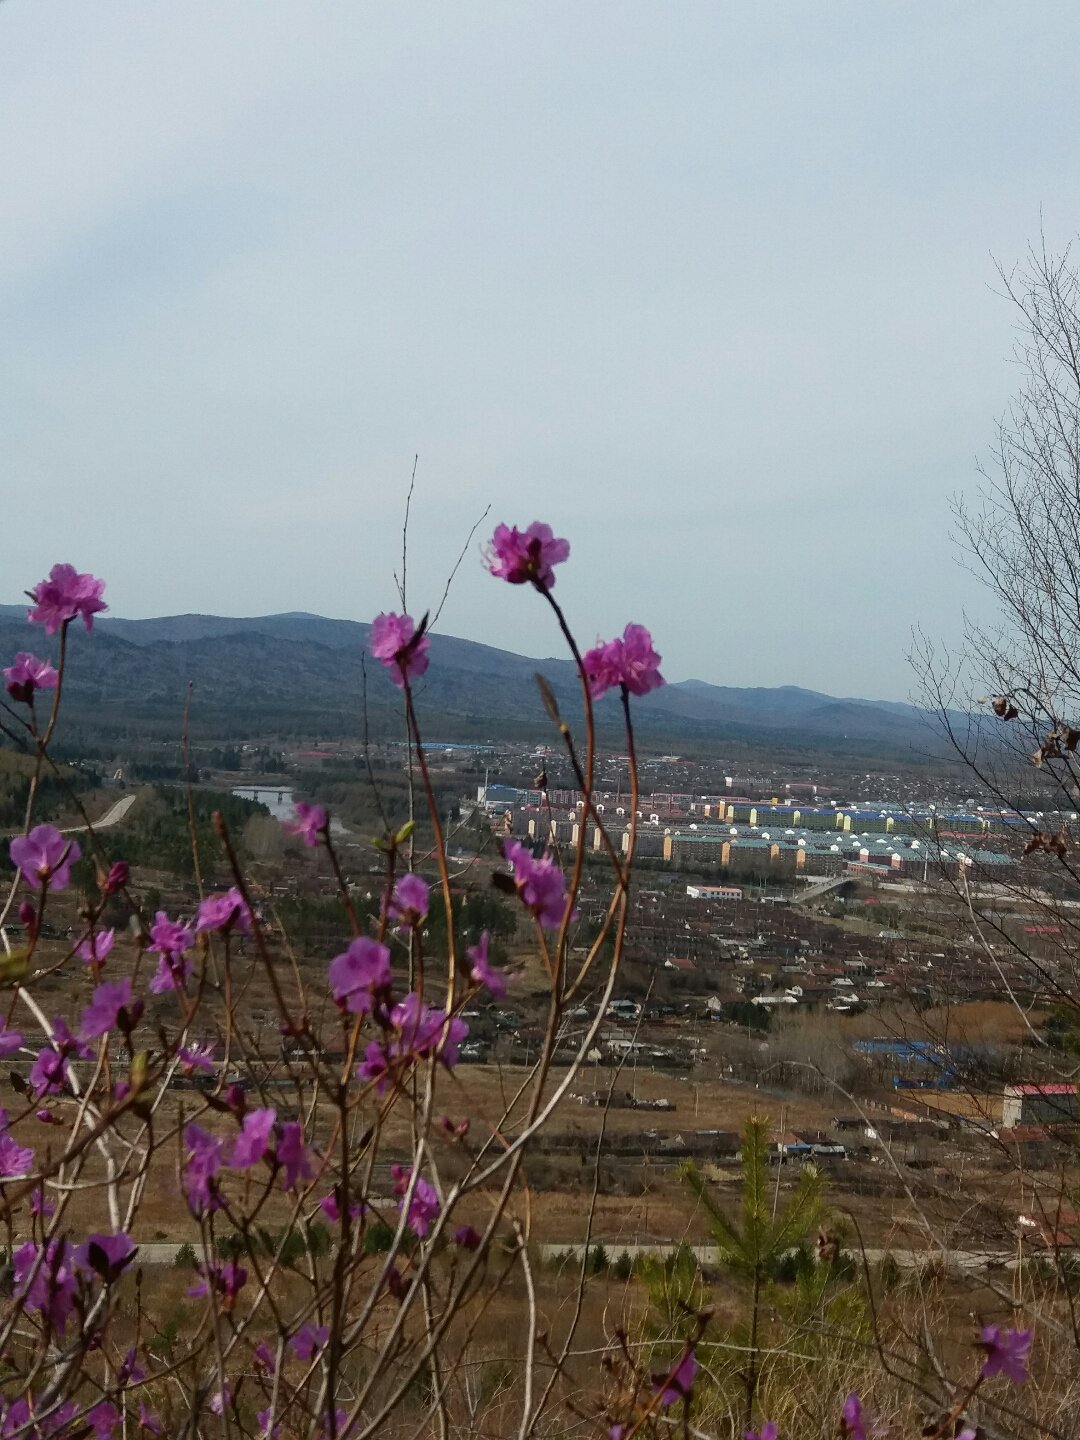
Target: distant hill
{"type": "Point", "coordinates": [299, 671]}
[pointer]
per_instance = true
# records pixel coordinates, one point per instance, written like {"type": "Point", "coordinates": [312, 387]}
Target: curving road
{"type": "Point", "coordinates": [112, 816]}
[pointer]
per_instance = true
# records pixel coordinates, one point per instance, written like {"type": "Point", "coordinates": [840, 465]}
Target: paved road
{"type": "Point", "coordinates": [956, 1260]}
{"type": "Point", "coordinates": [112, 816]}
{"type": "Point", "coordinates": [963, 1261]}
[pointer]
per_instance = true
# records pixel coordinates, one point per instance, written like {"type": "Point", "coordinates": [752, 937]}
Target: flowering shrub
{"type": "Point", "coordinates": [155, 1083]}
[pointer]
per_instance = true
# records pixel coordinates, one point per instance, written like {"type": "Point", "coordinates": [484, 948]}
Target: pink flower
{"type": "Point", "coordinates": [358, 972]}
{"type": "Point", "coordinates": [106, 1255]}
{"type": "Point", "coordinates": [424, 1205]}
{"type": "Point", "coordinates": [249, 1147]}
{"type": "Point", "coordinates": [526, 556]}
{"type": "Point", "coordinates": [768, 1431]}
{"type": "Point", "coordinates": [169, 940]}
{"type": "Point", "coordinates": [10, 1041]}
{"type": "Point", "coordinates": [481, 972]}
{"type": "Point", "coordinates": [169, 937]}
{"type": "Point", "coordinates": [332, 1210]}
{"type": "Point", "coordinates": [94, 949]}
{"type": "Point", "coordinates": [308, 1340]}
{"type": "Point", "coordinates": [394, 641]}
{"type": "Point", "coordinates": [540, 883]}
{"type": "Point", "coordinates": [629, 661]}
{"type": "Point", "coordinates": [852, 1421]}
{"type": "Point", "coordinates": [224, 912]}
{"type": "Point", "coordinates": [221, 1399]}
{"type": "Point", "coordinates": [1006, 1353]}
{"type": "Point", "coordinates": [64, 595]}
{"type": "Point", "coordinates": [26, 674]}
{"type": "Point", "coordinates": [678, 1384]}
{"type": "Point", "coordinates": [48, 1074]}
{"type": "Point", "coordinates": [46, 1281]}
{"type": "Point", "coordinates": [44, 857]}
{"type": "Point", "coordinates": [375, 1066]}
{"type": "Point", "coordinates": [226, 1280]}
{"type": "Point", "coordinates": [103, 1418]}
{"type": "Point", "coordinates": [117, 877]}
{"type": "Point", "coordinates": [201, 1163]}
{"type": "Point", "coordinates": [411, 900]}
{"type": "Point", "coordinates": [148, 1420]}
{"type": "Point", "coordinates": [425, 1031]}
{"type": "Point", "coordinates": [267, 1429]}
{"type": "Point", "coordinates": [171, 974]}
{"type": "Point", "coordinates": [307, 822]}
{"type": "Point", "coordinates": [41, 1205]}
{"type": "Point", "coordinates": [466, 1237]}
{"type": "Point", "coordinates": [197, 1057]}
{"type": "Point", "coordinates": [15, 1159]}
{"type": "Point", "coordinates": [293, 1156]}
{"type": "Point", "coordinates": [103, 1012]}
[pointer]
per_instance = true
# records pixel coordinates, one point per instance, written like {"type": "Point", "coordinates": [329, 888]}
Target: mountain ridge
{"type": "Point", "coordinates": [293, 660]}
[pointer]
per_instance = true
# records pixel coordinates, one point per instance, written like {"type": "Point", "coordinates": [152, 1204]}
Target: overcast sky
{"type": "Point", "coordinates": [707, 286]}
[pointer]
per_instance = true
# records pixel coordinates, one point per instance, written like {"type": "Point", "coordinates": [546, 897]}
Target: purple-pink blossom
{"type": "Point", "coordinates": [172, 973]}
{"type": "Point", "coordinates": [679, 1382]}
{"type": "Point", "coordinates": [169, 939]}
{"type": "Point", "coordinates": [48, 1074]}
{"type": "Point", "coordinates": [526, 556]}
{"type": "Point", "coordinates": [264, 1357]}
{"type": "Point", "coordinates": [309, 1340]}
{"type": "Point", "coordinates": [169, 936]}
{"type": "Point", "coordinates": [64, 595]}
{"type": "Point", "coordinates": [130, 1371]}
{"type": "Point", "coordinates": [424, 1204]}
{"type": "Point", "coordinates": [224, 912]}
{"type": "Point", "coordinates": [411, 899]}
{"type": "Point", "coordinates": [467, 1237]}
{"type": "Point", "coordinates": [250, 1145]}
{"type": "Point", "coordinates": [424, 1031]}
{"type": "Point", "coordinates": [44, 857]}
{"type": "Point", "coordinates": [221, 1399]}
{"type": "Point", "coordinates": [267, 1429]}
{"type": "Point", "coordinates": [15, 1159]}
{"type": "Point", "coordinates": [307, 822]}
{"type": "Point", "coordinates": [629, 660]}
{"type": "Point", "coordinates": [225, 1280]}
{"type": "Point", "coordinates": [481, 972]}
{"type": "Point", "coordinates": [197, 1057]}
{"type": "Point", "coordinates": [853, 1422]}
{"type": "Point", "coordinates": [106, 1255]}
{"type": "Point", "coordinates": [103, 1012]}
{"type": "Point", "coordinates": [375, 1066]}
{"type": "Point", "coordinates": [358, 973]}
{"type": "Point", "coordinates": [27, 673]}
{"type": "Point", "coordinates": [94, 949]}
{"type": "Point", "coordinates": [331, 1208]}
{"type": "Point", "coordinates": [1006, 1353]}
{"type": "Point", "coordinates": [10, 1041]}
{"type": "Point", "coordinates": [45, 1279]}
{"type": "Point", "coordinates": [117, 877]}
{"type": "Point", "coordinates": [394, 641]}
{"type": "Point", "coordinates": [293, 1155]}
{"type": "Point", "coordinates": [540, 883]}
{"type": "Point", "coordinates": [768, 1431]}
{"type": "Point", "coordinates": [103, 1418]}
{"type": "Point", "coordinates": [202, 1161]}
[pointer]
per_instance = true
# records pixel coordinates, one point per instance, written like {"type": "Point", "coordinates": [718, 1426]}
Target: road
{"type": "Point", "coordinates": [961, 1261]}
{"type": "Point", "coordinates": [112, 816]}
